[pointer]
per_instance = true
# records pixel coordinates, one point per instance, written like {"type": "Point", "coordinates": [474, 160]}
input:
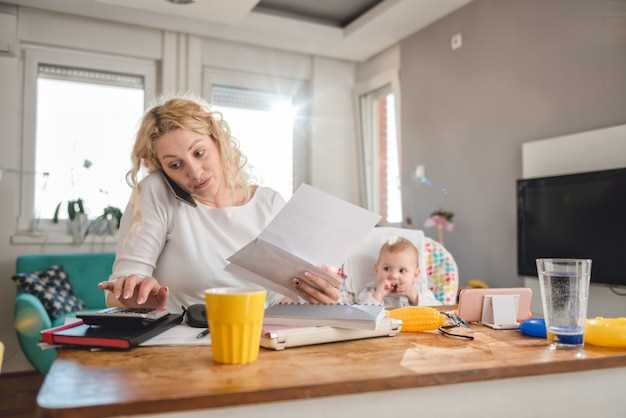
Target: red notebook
{"type": "Point", "coordinates": [79, 334]}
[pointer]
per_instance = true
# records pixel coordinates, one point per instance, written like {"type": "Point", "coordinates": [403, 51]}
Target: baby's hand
{"type": "Point", "coordinates": [383, 288]}
{"type": "Point", "coordinates": [408, 289]}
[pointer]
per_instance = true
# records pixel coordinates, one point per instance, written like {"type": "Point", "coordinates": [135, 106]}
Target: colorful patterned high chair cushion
{"type": "Point", "coordinates": [441, 270]}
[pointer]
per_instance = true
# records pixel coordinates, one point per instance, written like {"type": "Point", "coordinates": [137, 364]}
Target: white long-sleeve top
{"type": "Point", "coordinates": [185, 247]}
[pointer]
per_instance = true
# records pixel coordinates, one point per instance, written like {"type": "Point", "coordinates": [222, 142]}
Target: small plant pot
{"type": "Point", "coordinates": [77, 227]}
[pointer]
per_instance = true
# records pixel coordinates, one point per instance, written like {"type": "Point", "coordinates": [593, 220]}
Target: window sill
{"type": "Point", "coordinates": [42, 238]}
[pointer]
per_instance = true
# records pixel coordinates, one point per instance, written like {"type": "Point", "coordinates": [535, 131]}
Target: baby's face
{"type": "Point", "coordinates": [398, 271]}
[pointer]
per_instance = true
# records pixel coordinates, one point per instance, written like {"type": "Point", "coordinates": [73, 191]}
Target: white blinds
{"type": "Point", "coordinates": [59, 72]}
{"type": "Point", "coordinates": [227, 96]}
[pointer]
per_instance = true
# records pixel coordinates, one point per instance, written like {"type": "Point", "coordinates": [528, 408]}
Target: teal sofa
{"type": "Point", "coordinates": [85, 271]}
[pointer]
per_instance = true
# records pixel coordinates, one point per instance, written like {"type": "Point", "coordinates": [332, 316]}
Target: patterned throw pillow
{"type": "Point", "coordinates": [52, 288]}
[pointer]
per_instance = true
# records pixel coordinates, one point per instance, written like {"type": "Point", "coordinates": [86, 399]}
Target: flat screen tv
{"type": "Point", "coordinates": [574, 216]}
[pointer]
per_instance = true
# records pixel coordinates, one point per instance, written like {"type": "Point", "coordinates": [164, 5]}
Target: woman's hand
{"type": "Point", "coordinates": [136, 292]}
{"type": "Point", "coordinates": [315, 289]}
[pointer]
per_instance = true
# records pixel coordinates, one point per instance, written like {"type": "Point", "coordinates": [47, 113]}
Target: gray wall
{"type": "Point", "coordinates": [528, 69]}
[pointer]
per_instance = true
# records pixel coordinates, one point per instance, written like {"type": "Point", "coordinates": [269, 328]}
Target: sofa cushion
{"type": "Point", "coordinates": [52, 287]}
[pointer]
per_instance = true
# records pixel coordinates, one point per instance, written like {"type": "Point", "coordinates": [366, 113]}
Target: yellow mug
{"type": "Point", "coordinates": [235, 318]}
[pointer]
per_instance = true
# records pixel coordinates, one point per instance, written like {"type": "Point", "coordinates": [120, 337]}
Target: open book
{"type": "Point", "coordinates": [313, 229]}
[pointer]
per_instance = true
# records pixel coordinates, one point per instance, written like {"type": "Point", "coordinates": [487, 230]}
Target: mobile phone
{"type": "Point", "coordinates": [471, 302]}
{"type": "Point", "coordinates": [180, 193]}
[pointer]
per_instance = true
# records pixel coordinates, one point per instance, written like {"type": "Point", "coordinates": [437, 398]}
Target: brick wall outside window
{"type": "Point", "coordinates": [382, 156]}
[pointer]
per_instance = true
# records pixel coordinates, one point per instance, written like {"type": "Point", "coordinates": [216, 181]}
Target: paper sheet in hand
{"type": "Point", "coordinates": [313, 229]}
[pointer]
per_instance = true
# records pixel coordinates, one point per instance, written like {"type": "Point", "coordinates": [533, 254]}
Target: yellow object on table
{"type": "Point", "coordinates": [606, 332]}
{"type": "Point", "coordinates": [235, 317]}
{"type": "Point", "coordinates": [477, 284]}
{"type": "Point", "coordinates": [1, 354]}
{"type": "Point", "coordinates": [418, 318]}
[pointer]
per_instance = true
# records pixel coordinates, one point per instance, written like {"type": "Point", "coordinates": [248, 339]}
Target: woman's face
{"type": "Point", "coordinates": [192, 160]}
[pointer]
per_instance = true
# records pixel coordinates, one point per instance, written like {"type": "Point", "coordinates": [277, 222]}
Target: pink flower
{"type": "Point", "coordinates": [439, 222]}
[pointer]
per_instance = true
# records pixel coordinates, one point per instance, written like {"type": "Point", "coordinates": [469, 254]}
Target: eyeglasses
{"type": "Point", "coordinates": [455, 321]}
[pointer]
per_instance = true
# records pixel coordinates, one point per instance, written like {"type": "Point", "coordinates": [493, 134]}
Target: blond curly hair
{"type": "Point", "coordinates": [184, 113]}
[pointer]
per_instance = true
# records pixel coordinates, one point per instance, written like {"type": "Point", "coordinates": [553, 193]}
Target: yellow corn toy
{"type": "Point", "coordinates": [418, 318]}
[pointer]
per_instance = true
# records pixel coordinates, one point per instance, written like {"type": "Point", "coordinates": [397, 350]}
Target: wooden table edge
{"type": "Point", "coordinates": [333, 389]}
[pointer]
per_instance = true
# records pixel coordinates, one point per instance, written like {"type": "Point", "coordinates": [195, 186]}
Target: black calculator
{"type": "Point", "coordinates": [122, 317]}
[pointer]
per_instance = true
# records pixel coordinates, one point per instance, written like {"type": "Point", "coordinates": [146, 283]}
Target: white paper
{"type": "Point", "coordinates": [178, 335]}
{"type": "Point", "coordinates": [245, 274]}
{"type": "Point", "coordinates": [313, 229]}
{"type": "Point", "coordinates": [318, 227]}
{"type": "Point", "coordinates": [272, 267]}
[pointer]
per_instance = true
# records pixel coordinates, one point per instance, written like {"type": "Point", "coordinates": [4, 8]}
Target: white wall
{"type": "Point", "coordinates": [334, 155]}
{"type": "Point", "coordinates": [600, 149]}
{"type": "Point", "coordinates": [41, 27]}
{"type": "Point", "coordinates": [180, 58]}
{"type": "Point", "coordinates": [9, 157]}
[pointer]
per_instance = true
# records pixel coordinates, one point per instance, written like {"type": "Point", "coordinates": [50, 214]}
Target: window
{"type": "Point", "coordinates": [85, 124]}
{"type": "Point", "coordinates": [81, 112]}
{"type": "Point", "coordinates": [266, 118]}
{"type": "Point", "coordinates": [381, 155]}
{"type": "Point", "coordinates": [263, 125]}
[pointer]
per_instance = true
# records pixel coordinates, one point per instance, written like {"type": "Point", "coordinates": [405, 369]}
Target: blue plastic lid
{"type": "Point", "coordinates": [534, 327]}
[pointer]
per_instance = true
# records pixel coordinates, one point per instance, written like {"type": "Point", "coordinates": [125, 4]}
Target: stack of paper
{"type": "Point", "coordinates": [342, 316]}
{"type": "Point", "coordinates": [278, 337]}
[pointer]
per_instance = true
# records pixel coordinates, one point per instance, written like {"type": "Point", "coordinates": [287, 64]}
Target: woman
{"type": "Point", "coordinates": [194, 209]}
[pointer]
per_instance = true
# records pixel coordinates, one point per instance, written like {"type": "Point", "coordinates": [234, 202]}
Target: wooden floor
{"type": "Point", "coordinates": [18, 392]}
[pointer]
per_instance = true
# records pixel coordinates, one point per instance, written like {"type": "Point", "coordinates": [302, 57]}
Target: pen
{"type": "Point", "coordinates": [203, 334]}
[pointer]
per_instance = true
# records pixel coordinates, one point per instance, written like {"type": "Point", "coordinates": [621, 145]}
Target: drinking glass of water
{"type": "Point", "coordinates": [564, 285]}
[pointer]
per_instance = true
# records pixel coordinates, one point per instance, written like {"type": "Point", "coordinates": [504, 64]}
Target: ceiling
{"type": "Point", "coordinates": [352, 30]}
{"type": "Point", "coordinates": [327, 12]}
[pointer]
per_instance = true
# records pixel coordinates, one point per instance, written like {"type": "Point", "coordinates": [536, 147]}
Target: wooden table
{"type": "Point", "coordinates": [424, 372]}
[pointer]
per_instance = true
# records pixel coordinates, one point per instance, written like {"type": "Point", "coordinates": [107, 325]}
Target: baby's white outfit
{"type": "Point", "coordinates": [425, 297]}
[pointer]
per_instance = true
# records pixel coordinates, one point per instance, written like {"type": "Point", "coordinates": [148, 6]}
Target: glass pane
{"type": "Point", "coordinates": [266, 139]}
{"type": "Point", "coordinates": [394, 193]}
{"type": "Point", "coordinates": [85, 133]}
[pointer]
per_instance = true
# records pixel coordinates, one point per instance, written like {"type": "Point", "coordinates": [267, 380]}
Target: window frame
{"type": "Point", "coordinates": [34, 55]}
{"type": "Point", "coordinates": [297, 89]}
{"type": "Point", "coordinates": [364, 95]}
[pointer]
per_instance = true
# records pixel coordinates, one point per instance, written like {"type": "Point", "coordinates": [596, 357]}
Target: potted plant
{"type": "Point", "coordinates": [77, 219]}
{"type": "Point", "coordinates": [106, 224]}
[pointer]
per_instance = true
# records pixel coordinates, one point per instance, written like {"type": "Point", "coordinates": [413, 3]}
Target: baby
{"type": "Point", "coordinates": [397, 273]}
